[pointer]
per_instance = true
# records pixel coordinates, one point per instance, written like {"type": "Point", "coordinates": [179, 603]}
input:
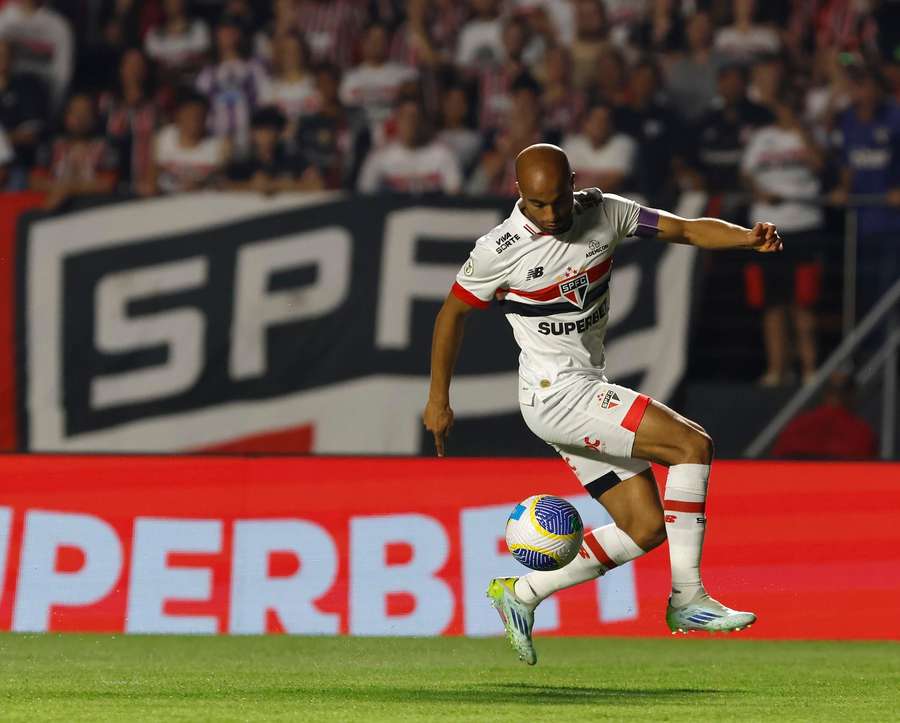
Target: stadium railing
{"type": "Point", "coordinates": [882, 316]}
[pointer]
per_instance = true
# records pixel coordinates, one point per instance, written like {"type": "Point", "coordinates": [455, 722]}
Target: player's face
{"type": "Point", "coordinates": [550, 205]}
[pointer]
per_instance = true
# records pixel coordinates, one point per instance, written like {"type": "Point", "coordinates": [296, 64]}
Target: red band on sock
{"type": "Point", "coordinates": [598, 551]}
{"type": "Point", "coordinates": [679, 506]}
{"type": "Point", "coordinates": [635, 413]}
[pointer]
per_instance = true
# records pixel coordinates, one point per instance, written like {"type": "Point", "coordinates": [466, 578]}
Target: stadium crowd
{"type": "Point", "coordinates": [788, 101]}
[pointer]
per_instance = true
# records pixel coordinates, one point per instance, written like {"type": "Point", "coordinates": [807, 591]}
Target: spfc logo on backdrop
{"type": "Point", "coordinates": [575, 289]}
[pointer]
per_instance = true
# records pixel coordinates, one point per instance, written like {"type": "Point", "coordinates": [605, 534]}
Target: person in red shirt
{"type": "Point", "coordinates": [832, 430]}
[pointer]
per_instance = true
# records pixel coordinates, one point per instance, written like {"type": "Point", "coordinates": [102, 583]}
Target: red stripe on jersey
{"type": "Point", "coordinates": [598, 551]}
{"type": "Point", "coordinates": [551, 293]}
{"type": "Point", "coordinates": [679, 506]}
{"type": "Point", "coordinates": [635, 413]}
{"type": "Point", "coordinates": [467, 296]}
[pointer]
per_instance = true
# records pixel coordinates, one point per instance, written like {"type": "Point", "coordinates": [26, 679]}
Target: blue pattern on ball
{"type": "Point", "coordinates": [556, 515]}
{"type": "Point", "coordinates": [535, 560]}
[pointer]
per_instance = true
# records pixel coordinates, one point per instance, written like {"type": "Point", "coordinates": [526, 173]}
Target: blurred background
{"type": "Point", "coordinates": [228, 225]}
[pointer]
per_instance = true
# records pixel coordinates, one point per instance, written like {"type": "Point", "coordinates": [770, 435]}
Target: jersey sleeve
{"type": "Point", "coordinates": [628, 218]}
{"type": "Point", "coordinates": [480, 276]}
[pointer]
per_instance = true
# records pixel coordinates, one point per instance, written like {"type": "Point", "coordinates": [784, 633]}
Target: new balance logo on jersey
{"type": "Point", "coordinates": [575, 290]}
{"type": "Point", "coordinates": [610, 400]}
{"type": "Point", "coordinates": [506, 240]}
{"type": "Point", "coordinates": [534, 273]}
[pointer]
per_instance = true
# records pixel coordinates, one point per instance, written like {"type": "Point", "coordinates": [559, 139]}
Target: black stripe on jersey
{"type": "Point", "coordinates": [562, 307]}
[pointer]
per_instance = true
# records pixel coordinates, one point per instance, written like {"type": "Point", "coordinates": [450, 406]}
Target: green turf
{"type": "Point", "coordinates": [100, 678]}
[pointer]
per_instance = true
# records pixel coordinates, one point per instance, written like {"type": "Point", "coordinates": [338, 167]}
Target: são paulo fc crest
{"type": "Point", "coordinates": [575, 289]}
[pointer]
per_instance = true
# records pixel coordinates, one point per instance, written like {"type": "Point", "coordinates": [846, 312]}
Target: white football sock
{"type": "Point", "coordinates": [603, 549]}
{"type": "Point", "coordinates": [685, 514]}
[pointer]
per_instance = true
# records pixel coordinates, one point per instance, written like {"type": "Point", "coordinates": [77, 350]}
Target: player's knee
{"type": "Point", "coordinates": [647, 531]}
{"type": "Point", "coordinates": [697, 447]}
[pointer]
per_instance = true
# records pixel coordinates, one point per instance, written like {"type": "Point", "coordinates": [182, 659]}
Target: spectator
{"type": "Point", "coordinates": [480, 39]}
{"type": "Point", "coordinates": [599, 155]}
{"type": "Point", "coordinates": [560, 15]}
{"type": "Point", "coordinates": [78, 162]}
{"type": "Point", "coordinates": [332, 28]}
{"type": "Point", "coordinates": [610, 84]}
{"type": "Point", "coordinates": [662, 32]}
{"type": "Point", "coordinates": [827, 95]}
{"type": "Point", "coordinates": [131, 118]}
{"type": "Point", "coordinates": [283, 22]}
{"type": "Point", "coordinates": [456, 128]}
{"type": "Point", "coordinates": [745, 40]}
{"type": "Point", "coordinates": [412, 43]}
{"type": "Point", "coordinates": [691, 80]}
{"type": "Point", "coordinates": [496, 171]}
{"type": "Point", "coordinates": [270, 168]}
{"type": "Point", "coordinates": [767, 80]}
{"type": "Point", "coordinates": [42, 43]}
{"type": "Point", "coordinates": [179, 44]}
{"type": "Point", "coordinates": [291, 86]}
{"type": "Point", "coordinates": [781, 167]}
{"type": "Point", "coordinates": [374, 85]}
{"type": "Point", "coordinates": [232, 85]}
{"type": "Point", "coordinates": [561, 103]}
{"type": "Point", "coordinates": [831, 430]}
{"type": "Point", "coordinates": [726, 129]}
{"type": "Point", "coordinates": [410, 164]}
{"type": "Point", "coordinates": [591, 41]}
{"type": "Point", "coordinates": [655, 128]}
{"type": "Point", "coordinates": [23, 108]}
{"type": "Point", "coordinates": [496, 80]}
{"type": "Point", "coordinates": [185, 156]}
{"type": "Point", "coordinates": [336, 137]}
{"type": "Point", "coordinates": [867, 137]}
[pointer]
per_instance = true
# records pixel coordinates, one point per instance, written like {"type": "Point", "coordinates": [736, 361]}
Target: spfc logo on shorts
{"type": "Point", "coordinates": [610, 400]}
{"type": "Point", "coordinates": [575, 289]}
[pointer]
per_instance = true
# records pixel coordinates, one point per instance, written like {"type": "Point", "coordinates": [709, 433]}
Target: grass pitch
{"type": "Point", "coordinates": [105, 678]}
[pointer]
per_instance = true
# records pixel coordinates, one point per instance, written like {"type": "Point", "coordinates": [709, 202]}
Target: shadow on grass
{"type": "Point", "coordinates": [487, 693]}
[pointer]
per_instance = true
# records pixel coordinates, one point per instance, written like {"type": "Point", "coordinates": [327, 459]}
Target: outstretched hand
{"type": "Point", "coordinates": [765, 239]}
{"type": "Point", "coordinates": [438, 419]}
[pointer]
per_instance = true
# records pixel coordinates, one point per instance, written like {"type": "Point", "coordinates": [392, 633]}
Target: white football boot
{"type": "Point", "coordinates": [707, 615]}
{"type": "Point", "coordinates": [517, 617]}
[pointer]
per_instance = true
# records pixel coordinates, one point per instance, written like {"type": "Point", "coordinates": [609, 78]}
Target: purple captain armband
{"type": "Point", "coordinates": [647, 223]}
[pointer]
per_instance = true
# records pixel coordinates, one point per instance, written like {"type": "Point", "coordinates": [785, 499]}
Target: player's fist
{"type": "Point", "coordinates": [438, 419]}
{"type": "Point", "coordinates": [765, 239]}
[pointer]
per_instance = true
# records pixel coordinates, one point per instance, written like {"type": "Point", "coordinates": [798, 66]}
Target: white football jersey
{"type": "Point", "coordinates": [557, 298]}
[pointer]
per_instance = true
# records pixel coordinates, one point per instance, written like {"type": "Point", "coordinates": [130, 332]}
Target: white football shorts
{"type": "Point", "coordinates": [591, 423]}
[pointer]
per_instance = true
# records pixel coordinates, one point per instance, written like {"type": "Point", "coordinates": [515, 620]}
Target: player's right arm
{"type": "Point", "coordinates": [445, 346]}
{"type": "Point", "coordinates": [476, 283]}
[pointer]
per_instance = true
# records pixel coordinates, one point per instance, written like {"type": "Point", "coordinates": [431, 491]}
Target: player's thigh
{"type": "Point", "coordinates": [591, 415]}
{"type": "Point", "coordinates": [667, 437]}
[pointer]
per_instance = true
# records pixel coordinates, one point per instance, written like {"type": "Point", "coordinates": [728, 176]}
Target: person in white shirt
{"type": "Point", "coordinates": [185, 157]}
{"type": "Point", "coordinates": [781, 166]}
{"type": "Point", "coordinates": [375, 84]}
{"type": "Point", "coordinates": [42, 43]}
{"type": "Point", "coordinates": [179, 44]}
{"type": "Point", "coordinates": [291, 86]}
{"type": "Point", "coordinates": [550, 262]}
{"type": "Point", "coordinates": [480, 39]}
{"type": "Point", "coordinates": [745, 40]}
{"type": "Point", "coordinates": [409, 165]}
{"type": "Point", "coordinates": [601, 156]}
{"type": "Point", "coordinates": [456, 128]}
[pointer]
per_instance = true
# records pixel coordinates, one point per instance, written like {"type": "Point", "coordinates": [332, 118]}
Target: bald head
{"type": "Point", "coordinates": [545, 182]}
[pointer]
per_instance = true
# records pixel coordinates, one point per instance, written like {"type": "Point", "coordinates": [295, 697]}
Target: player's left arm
{"type": "Point", "coordinates": [715, 234]}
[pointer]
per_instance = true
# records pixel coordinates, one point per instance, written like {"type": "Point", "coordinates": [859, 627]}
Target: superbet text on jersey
{"type": "Point", "coordinates": [557, 298]}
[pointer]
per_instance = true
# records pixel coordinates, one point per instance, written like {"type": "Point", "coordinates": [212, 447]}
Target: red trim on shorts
{"type": "Point", "coordinates": [679, 506]}
{"type": "Point", "coordinates": [807, 283]}
{"type": "Point", "coordinates": [754, 286]}
{"type": "Point", "coordinates": [595, 547]}
{"type": "Point", "coordinates": [635, 414]}
{"type": "Point", "coordinates": [467, 296]}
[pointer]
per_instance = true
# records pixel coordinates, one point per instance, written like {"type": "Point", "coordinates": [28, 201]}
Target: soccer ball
{"type": "Point", "coordinates": [544, 532]}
